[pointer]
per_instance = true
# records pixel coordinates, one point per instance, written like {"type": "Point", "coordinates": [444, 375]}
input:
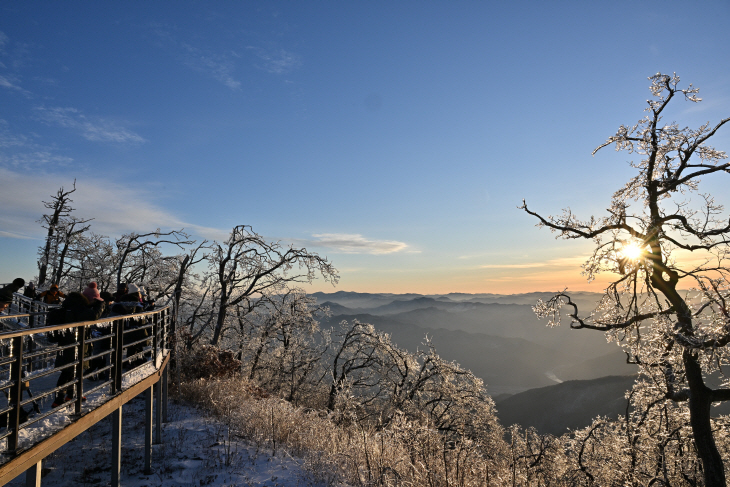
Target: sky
{"type": "Point", "coordinates": [395, 138]}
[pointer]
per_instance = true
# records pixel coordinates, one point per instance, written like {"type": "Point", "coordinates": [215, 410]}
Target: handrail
{"type": "Point", "coordinates": [47, 328]}
{"type": "Point", "coordinates": [124, 342]}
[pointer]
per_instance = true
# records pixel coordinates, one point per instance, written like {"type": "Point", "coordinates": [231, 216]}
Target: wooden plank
{"type": "Point", "coordinates": [38, 452]}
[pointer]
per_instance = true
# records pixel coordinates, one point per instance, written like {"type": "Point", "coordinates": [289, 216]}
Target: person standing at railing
{"type": "Point", "coordinates": [98, 331]}
{"type": "Point", "coordinates": [52, 296]}
{"type": "Point", "coordinates": [30, 291]}
{"type": "Point", "coordinates": [6, 293]}
{"type": "Point", "coordinates": [92, 292]}
{"type": "Point", "coordinates": [77, 309]}
{"type": "Point", "coordinates": [122, 290]}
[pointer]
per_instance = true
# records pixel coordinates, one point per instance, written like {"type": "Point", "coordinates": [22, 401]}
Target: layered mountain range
{"type": "Point", "coordinates": [499, 338]}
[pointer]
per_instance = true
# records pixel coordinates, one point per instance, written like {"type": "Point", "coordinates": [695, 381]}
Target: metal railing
{"type": "Point", "coordinates": [31, 313]}
{"type": "Point", "coordinates": [115, 345]}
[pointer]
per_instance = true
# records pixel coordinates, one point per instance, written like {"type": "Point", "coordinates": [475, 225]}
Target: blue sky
{"type": "Point", "coordinates": [396, 138]}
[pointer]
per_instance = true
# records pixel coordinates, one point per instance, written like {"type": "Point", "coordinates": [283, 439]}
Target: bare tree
{"type": "Point", "coordinates": [355, 363]}
{"type": "Point", "coordinates": [247, 267]}
{"type": "Point", "coordinates": [138, 251]}
{"type": "Point", "coordinates": [62, 229]}
{"type": "Point", "coordinates": [676, 340]}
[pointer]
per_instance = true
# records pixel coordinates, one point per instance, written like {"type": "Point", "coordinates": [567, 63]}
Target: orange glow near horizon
{"type": "Point", "coordinates": [518, 281]}
{"type": "Point", "coordinates": [545, 276]}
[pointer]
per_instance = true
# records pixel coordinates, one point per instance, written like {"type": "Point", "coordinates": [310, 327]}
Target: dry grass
{"type": "Point", "coordinates": [342, 450]}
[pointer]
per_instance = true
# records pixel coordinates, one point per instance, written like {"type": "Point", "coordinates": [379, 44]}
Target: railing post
{"type": "Point", "coordinates": [16, 392]}
{"type": "Point", "coordinates": [118, 326]}
{"type": "Point", "coordinates": [31, 341]}
{"type": "Point", "coordinates": [155, 338]}
{"type": "Point", "coordinates": [81, 340]}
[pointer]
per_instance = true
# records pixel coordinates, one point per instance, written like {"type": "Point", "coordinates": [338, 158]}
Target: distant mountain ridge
{"type": "Point", "coordinates": [573, 404]}
{"type": "Point", "coordinates": [502, 342]}
{"type": "Point", "coordinates": [368, 301]}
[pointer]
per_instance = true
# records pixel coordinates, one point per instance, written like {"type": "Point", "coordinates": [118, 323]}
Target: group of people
{"type": "Point", "coordinates": [52, 295]}
{"type": "Point", "coordinates": [88, 305]}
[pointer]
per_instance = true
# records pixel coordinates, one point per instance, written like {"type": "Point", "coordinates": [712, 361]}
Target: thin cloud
{"type": "Point", "coordinates": [94, 129]}
{"type": "Point", "coordinates": [21, 152]}
{"type": "Point", "coordinates": [29, 160]}
{"type": "Point", "coordinates": [563, 262]}
{"type": "Point", "coordinates": [115, 208]}
{"type": "Point", "coordinates": [354, 244]}
{"type": "Point", "coordinates": [7, 83]}
{"type": "Point", "coordinates": [219, 67]}
{"type": "Point", "coordinates": [8, 139]}
{"type": "Point", "coordinates": [276, 61]}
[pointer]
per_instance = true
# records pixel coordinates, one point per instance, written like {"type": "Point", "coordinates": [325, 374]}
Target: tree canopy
{"type": "Point", "coordinates": [667, 243]}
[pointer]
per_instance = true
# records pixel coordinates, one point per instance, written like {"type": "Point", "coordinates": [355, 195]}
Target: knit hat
{"type": "Point", "coordinates": [92, 292]}
{"type": "Point", "coordinates": [132, 288]}
{"type": "Point", "coordinates": [54, 286]}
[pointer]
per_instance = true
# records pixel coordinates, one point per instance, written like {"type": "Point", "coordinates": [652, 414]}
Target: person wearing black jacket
{"type": "Point", "coordinates": [76, 309]}
{"type": "Point", "coordinates": [30, 291]}
{"type": "Point", "coordinates": [6, 293]}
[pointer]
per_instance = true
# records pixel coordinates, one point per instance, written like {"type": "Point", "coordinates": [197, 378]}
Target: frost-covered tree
{"type": "Point", "coordinates": [662, 235]}
{"type": "Point", "coordinates": [282, 345]}
{"type": "Point", "coordinates": [63, 234]}
{"type": "Point", "coordinates": [246, 267]}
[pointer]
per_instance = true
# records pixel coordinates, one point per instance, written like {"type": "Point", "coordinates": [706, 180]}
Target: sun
{"type": "Point", "coordinates": [632, 251]}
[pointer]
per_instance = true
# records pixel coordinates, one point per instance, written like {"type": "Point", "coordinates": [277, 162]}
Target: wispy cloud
{"type": "Point", "coordinates": [563, 262]}
{"type": "Point", "coordinates": [91, 128]}
{"type": "Point", "coordinates": [353, 244]}
{"type": "Point", "coordinates": [29, 160]}
{"type": "Point", "coordinates": [10, 80]}
{"type": "Point", "coordinates": [22, 152]}
{"type": "Point", "coordinates": [8, 139]}
{"type": "Point", "coordinates": [223, 64]}
{"type": "Point", "coordinates": [220, 67]}
{"type": "Point", "coordinates": [11, 83]}
{"type": "Point", "coordinates": [6, 83]}
{"type": "Point", "coordinates": [276, 61]}
{"type": "Point", "coordinates": [115, 208]}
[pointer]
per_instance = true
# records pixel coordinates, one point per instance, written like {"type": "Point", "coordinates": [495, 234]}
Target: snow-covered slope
{"type": "Point", "coordinates": [196, 451]}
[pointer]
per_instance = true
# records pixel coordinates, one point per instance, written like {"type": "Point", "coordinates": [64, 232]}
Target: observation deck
{"type": "Point", "coordinates": [129, 355]}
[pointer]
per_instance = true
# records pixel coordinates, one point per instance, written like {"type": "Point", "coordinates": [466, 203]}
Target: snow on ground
{"type": "Point", "coordinates": [196, 451]}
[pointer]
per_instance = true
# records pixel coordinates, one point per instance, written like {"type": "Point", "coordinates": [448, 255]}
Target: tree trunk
{"type": "Point", "coordinates": [699, 417]}
{"type": "Point", "coordinates": [700, 395]}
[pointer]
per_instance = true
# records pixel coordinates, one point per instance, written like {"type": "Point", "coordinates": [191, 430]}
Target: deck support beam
{"type": "Point", "coordinates": [116, 418]}
{"type": "Point", "coordinates": [33, 475]}
{"type": "Point", "coordinates": [148, 430]}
